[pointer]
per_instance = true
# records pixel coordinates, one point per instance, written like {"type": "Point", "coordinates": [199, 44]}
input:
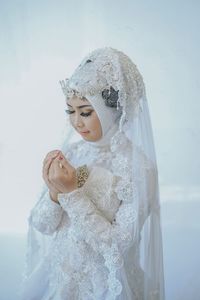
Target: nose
{"type": "Point", "coordinates": [78, 122]}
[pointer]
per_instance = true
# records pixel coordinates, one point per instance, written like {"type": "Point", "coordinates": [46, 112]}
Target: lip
{"type": "Point", "coordinates": [83, 132]}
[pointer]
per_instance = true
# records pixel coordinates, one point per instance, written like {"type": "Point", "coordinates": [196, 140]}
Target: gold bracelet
{"type": "Point", "coordinates": [82, 174]}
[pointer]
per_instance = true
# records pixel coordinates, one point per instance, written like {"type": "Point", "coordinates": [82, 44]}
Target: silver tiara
{"type": "Point", "coordinates": [68, 91]}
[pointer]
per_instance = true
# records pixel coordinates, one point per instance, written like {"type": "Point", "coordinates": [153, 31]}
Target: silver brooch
{"type": "Point", "coordinates": [110, 96]}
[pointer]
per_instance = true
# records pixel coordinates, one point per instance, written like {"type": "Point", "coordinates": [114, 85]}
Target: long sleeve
{"type": "Point", "coordinates": [98, 215]}
{"type": "Point", "coordinates": [46, 215]}
{"type": "Point", "coordinates": [102, 210]}
{"type": "Point", "coordinates": [110, 236]}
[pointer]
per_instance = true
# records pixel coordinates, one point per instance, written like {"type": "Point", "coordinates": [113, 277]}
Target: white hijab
{"type": "Point", "coordinates": [101, 69]}
{"type": "Point", "coordinates": [108, 116]}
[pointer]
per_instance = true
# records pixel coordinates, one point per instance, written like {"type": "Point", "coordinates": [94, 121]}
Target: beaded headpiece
{"type": "Point", "coordinates": [109, 95]}
{"type": "Point", "coordinates": [108, 73]}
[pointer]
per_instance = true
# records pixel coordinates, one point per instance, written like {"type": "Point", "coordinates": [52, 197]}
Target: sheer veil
{"type": "Point", "coordinates": [101, 69]}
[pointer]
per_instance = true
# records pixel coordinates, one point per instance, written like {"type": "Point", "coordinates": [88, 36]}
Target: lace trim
{"type": "Point", "coordinates": [46, 215]}
{"type": "Point", "coordinates": [124, 189]}
{"type": "Point", "coordinates": [113, 241]}
{"type": "Point", "coordinates": [122, 194]}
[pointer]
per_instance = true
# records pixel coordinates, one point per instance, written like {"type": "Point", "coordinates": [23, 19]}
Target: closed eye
{"type": "Point", "coordinates": [69, 111]}
{"type": "Point", "coordinates": [86, 114]}
{"type": "Point", "coordinates": [82, 114]}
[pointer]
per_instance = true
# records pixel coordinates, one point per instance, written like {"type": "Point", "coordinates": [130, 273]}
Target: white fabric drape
{"type": "Point", "coordinates": [138, 184]}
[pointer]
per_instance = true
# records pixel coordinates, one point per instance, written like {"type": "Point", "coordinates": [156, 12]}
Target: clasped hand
{"type": "Point", "coordinates": [59, 180]}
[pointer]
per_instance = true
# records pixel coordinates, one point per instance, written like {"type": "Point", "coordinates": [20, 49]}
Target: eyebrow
{"type": "Point", "coordinates": [81, 106]}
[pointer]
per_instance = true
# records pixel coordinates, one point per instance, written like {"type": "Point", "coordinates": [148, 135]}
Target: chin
{"type": "Point", "coordinates": [88, 139]}
{"type": "Point", "coordinates": [91, 139]}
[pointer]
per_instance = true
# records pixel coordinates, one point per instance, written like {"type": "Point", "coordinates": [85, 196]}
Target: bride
{"type": "Point", "coordinates": [95, 231]}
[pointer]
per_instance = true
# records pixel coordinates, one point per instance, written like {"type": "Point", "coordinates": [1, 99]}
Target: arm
{"type": "Point", "coordinates": [109, 237]}
{"type": "Point", "coordinates": [93, 221]}
{"type": "Point", "coordinates": [86, 208]}
{"type": "Point", "coordinates": [46, 215]}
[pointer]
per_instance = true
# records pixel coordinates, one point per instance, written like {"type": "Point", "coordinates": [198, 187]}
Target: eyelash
{"type": "Point", "coordinates": [82, 114]}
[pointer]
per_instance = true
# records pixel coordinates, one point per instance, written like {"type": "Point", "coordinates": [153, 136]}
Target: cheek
{"type": "Point", "coordinates": [95, 125]}
{"type": "Point", "coordinates": [71, 120]}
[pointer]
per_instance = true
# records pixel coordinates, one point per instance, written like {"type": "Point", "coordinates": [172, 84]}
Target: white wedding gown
{"type": "Point", "coordinates": [82, 226]}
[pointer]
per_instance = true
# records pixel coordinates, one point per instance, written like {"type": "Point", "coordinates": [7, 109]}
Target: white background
{"type": "Point", "coordinates": [42, 42]}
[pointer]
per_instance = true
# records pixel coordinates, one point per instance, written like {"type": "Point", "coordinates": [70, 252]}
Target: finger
{"type": "Point", "coordinates": [47, 165]}
{"type": "Point", "coordinates": [64, 162]}
{"type": "Point", "coordinates": [47, 162]}
{"type": "Point", "coordinates": [53, 173]}
{"type": "Point", "coordinates": [58, 166]}
{"type": "Point", "coordinates": [45, 171]}
{"type": "Point", "coordinates": [53, 152]}
{"type": "Point", "coordinates": [49, 177]}
{"type": "Point", "coordinates": [65, 175]}
{"type": "Point", "coordinates": [46, 168]}
{"type": "Point", "coordinates": [50, 155]}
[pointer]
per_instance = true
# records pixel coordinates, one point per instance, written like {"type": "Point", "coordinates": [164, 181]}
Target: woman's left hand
{"type": "Point", "coordinates": [64, 178]}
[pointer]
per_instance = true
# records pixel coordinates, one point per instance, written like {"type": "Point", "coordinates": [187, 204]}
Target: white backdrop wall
{"type": "Point", "coordinates": [42, 42]}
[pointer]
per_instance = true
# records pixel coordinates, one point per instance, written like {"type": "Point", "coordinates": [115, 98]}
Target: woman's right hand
{"type": "Point", "coordinates": [53, 191]}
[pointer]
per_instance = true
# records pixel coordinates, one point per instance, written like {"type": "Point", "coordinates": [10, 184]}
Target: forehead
{"type": "Point", "coordinates": [77, 101]}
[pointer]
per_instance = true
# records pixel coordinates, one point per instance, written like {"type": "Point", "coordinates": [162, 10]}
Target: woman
{"type": "Point", "coordinates": [95, 231]}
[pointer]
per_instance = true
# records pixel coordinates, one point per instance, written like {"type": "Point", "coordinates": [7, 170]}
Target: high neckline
{"type": "Point", "coordinates": [104, 142]}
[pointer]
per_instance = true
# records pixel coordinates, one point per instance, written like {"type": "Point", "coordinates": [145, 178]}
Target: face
{"type": "Point", "coordinates": [84, 118]}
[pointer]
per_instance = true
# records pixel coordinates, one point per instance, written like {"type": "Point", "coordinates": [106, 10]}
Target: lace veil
{"type": "Point", "coordinates": [112, 72]}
